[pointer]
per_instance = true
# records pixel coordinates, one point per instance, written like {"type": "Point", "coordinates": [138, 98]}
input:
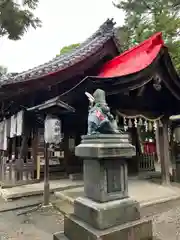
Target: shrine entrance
{"type": "Point", "coordinates": [143, 89]}
{"type": "Point", "coordinates": [143, 135]}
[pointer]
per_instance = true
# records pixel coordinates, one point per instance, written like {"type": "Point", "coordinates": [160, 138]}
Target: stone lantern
{"type": "Point", "coordinates": [105, 212]}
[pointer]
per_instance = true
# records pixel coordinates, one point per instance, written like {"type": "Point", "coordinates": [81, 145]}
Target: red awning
{"type": "Point", "coordinates": [135, 59]}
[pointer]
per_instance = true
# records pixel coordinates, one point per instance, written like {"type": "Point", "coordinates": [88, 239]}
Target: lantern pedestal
{"type": "Point", "coordinates": [106, 211]}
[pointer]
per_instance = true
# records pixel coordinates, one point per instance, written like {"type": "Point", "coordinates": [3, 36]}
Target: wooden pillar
{"type": "Point", "coordinates": [9, 148]}
{"type": "Point", "coordinates": [164, 151]}
{"type": "Point", "coordinates": [24, 144]}
{"type": "Point", "coordinates": [36, 160]}
{"type": "Point", "coordinates": [67, 154]}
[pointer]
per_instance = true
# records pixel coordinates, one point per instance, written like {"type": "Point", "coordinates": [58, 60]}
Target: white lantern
{"type": "Point", "coordinates": [52, 130]}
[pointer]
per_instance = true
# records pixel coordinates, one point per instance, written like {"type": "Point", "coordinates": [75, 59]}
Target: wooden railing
{"type": "Point", "coordinates": [147, 162]}
{"type": "Point", "coordinates": [17, 172]}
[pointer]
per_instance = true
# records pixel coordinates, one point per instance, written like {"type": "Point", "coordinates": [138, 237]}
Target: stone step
{"type": "Point", "coordinates": [38, 189]}
{"type": "Point", "coordinates": [65, 204]}
{"type": "Point", "coordinates": [141, 229]}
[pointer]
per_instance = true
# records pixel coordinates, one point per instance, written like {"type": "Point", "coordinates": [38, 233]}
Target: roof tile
{"type": "Point", "coordinates": [87, 48]}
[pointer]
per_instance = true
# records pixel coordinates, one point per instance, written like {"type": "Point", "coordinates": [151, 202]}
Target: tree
{"type": "Point", "coordinates": [3, 70]}
{"type": "Point", "coordinates": [15, 19]}
{"type": "Point", "coordinates": [68, 48]}
{"type": "Point", "coordinates": [145, 17]}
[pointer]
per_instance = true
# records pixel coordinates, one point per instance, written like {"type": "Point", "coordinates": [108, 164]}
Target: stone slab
{"type": "Point", "coordinates": [100, 151]}
{"type": "Point", "coordinates": [75, 229]}
{"type": "Point", "coordinates": [102, 183]}
{"type": "Point", "coordinates": [102, 146]}
{"type": "Point", "coordinates": [105, 215]}
{"type": "Point", "coordinates": [38, 188]}
{"type": "Point", "coordinates": [143, 191]}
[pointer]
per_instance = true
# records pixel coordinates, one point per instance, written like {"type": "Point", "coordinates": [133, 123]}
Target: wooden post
{"type": "Point", "coordinates": [66, 153]}
{"type": "Point", "coordinates": [164, 151]}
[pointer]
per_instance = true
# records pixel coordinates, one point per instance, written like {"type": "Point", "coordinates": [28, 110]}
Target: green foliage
{"type": "Point", "coordinates": [69, 48]}
{"type": "Point", "coordinates": [15, 19]}
{"type": "Point", "coordinates": [145, 17]}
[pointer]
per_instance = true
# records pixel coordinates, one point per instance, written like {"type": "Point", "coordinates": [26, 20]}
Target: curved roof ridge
{"type": "Point", "coordinates": [90, 45]}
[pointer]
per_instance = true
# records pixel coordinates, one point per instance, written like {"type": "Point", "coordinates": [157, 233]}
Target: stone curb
{"type": "Point", "coordinates": [159, 201]}
{"type": "Point", "coordinates": [3, 210]}
{"type": "Point", "coordinates": [62, 196]}
{"type": "Point", "coordinates": [158, 206]}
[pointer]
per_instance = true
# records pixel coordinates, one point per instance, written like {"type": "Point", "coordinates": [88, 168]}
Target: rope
{"type": "Point", "coordinates": [139, 116]}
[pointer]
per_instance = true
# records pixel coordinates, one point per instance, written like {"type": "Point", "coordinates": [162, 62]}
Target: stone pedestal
{"type": "Point", "coordinates": [106, 212]}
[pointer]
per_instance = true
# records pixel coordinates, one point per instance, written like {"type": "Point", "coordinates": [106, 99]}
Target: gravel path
{"type": "Point", "coordinates": [42, 223]}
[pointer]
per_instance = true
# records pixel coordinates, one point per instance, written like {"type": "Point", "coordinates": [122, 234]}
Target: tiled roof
{"type": "Point", "coordinates": [86, 49]}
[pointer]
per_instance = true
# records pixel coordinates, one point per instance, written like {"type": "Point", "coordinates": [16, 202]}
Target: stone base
{"type": "Point", "coordinates": [105, 180]}
{"type": "Point", "coordinates": [59, 236]}
{"type": "Point", "coordinates": [105, 215]}
{"type": "Point", "coordinates": [75, 229]}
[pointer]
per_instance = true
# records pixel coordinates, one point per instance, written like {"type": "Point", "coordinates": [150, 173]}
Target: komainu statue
{"type": "Point", "coordinates": [100, 120]}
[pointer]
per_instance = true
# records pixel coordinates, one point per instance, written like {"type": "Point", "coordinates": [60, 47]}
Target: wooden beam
{"type": "Point", "coordinates": [164, 151]}
{"type": "Point", "coordinates": [140, 91]}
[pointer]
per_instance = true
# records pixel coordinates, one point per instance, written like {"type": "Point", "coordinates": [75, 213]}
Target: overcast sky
{"type": "Point", "coordinates": [64, 22]}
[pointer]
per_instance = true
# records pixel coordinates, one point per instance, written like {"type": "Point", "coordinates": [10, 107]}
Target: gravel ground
{"type": "Point", "coordinates": [37, 225]}
{"type": "Point", "coordinates": [167, 225]}
{"type": "Point", "coordinates": [41, 224]}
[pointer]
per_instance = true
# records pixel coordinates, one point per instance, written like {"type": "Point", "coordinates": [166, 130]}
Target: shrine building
{"type": "Point", "coordinates": [143, 91]}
